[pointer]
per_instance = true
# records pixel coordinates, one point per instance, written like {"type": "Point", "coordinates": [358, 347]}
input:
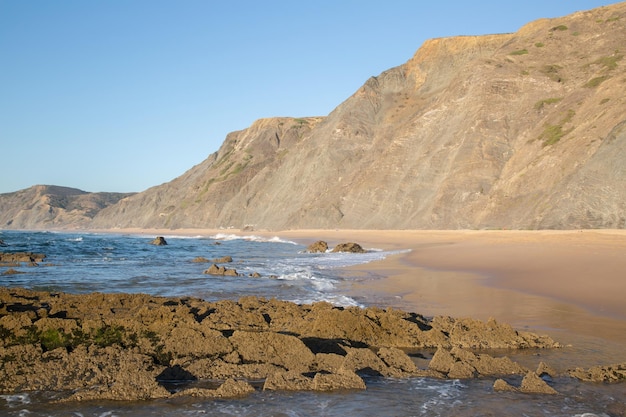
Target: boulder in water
{"type": "Point", "coordinates": [349, 247]}
{"type": "Point", "coordinates": [317, 247]}
{"type": "Point", "coordinates": [159, 241]}
{"type": "Point", "coordinates": [220, 270]}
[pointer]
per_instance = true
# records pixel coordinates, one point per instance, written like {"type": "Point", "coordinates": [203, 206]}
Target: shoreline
{"type": "Point", "coordinates": [567, 283]}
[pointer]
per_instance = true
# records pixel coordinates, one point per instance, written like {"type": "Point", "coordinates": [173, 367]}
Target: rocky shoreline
{"type": "Point", "coordinates": [136, 346]}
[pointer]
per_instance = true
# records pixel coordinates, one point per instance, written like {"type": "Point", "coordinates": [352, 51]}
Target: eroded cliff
{"type": "Point", "coordinates": [522, 130]}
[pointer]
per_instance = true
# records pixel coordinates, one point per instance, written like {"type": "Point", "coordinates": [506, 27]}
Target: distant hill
{"type": "Point", "coordinates": [524, 130]}
{"type": "Point", "coordinates": [49, 206]}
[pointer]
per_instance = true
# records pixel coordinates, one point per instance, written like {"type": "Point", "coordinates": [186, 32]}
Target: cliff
{"type": "Point", "coordinates": [524, 130]}
{"type": "Point", "coordinates": [49, 206]}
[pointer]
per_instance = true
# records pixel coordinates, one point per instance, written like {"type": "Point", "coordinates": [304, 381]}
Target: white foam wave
{"type": "Point", "coordinates": [331, 260]}
{"type": "Point", "coordinates": [336, 300]}
{"type": "Point", "coordinates": [251, 238]}
{"type": "Point", "coordinates": [76, 239]}
{"type": "Point", "coordinates": [15, 400]}
{"type": "Point", "coordinates": [294, 276]}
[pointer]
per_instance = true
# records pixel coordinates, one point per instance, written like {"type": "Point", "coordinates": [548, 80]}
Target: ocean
{"type": "Point", "coordinates": [107, 262]}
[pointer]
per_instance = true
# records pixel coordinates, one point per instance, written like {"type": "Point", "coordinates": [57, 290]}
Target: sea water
{"type": "Point", "coordinates": [89, 262]}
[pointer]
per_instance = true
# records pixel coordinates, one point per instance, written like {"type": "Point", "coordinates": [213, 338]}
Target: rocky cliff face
{"type": "Point", "coordinates": [522, 130]}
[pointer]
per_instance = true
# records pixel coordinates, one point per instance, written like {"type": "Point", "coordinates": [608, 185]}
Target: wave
{"type": "Point", "coordinates": [332, 260]}
{"type": "Point", "coordinates": [251, 238]}
{"type": "Point", "coordinates": [15, 400]}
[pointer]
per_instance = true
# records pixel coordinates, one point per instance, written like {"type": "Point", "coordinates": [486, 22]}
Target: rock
{"type": "Point", "coordinates": [487, 365]}
{"type": "Point", "coordinates": [220, 270]}
{"type": "Point", "coordinates": [395, 358]}
{"type": "Point", "coordinates": [349, 247]}
{"type": "Point", "coordinates": [196, 342]}
{"type": "Point", "coordinates": [255, 275]}
{"type": "Point", "coordinates": [532, 384]}
{"type": "Point", "coordinates": [441, 361]}
{"type": "Point", "coordinates": [608, 373]}
{"type": "Point", "coordinates": [364, 361]}
{"type": "Point", "coordinates": [200, 259]}
{"type": "Point", "coordinates": [158, 241]}
{"type": "Point", "coordinates": [287, 381]}
{"type": "Point", "coordinates": [283, 350]}
{"type": "Point", "coordinates": [463, 364]}
{"type": "Point", "coordinates": [317, 247]}
{"type": "Point", "coordinates": [234, 388]}
{"type": "Point", "coordinates": [118, 346]}
{"type": "Point", "coordinates": [544, 369]}
{"type": "Point", "coordinates": [344, 379]}
{"type": "Point", "coordinates": [475, 334]}
{"type": "Point", "coordinates": [500, 385]}
{"type": "Point", "coordinates": [231, 388]}
{"type": "Point", "coordinates": [2, 243]}
{"type": "Point", "coordinates": [223, 259]}
{"type": "Point", "coordinates": [12, 271]}
{"type": "Point", "coordinates": [16, 258]}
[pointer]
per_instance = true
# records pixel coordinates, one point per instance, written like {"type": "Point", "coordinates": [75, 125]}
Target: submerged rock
{"type": "Point", "coordinates": [12, 271]}
{"type": "Point", "coordinates": [200, 259]}
{"type": "Point", "coordinates": [15, 258]}
{"type": "Point", "coordinates": [607, 373]}
{"type": "Point", "coordinates": [223, 259]}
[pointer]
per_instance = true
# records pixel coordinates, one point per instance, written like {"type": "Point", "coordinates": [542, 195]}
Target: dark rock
{"type": "Point", "coordinates": [158, 241]}
{"type": "Point", "coordinates": [317, 247]}
{"type": "Point", "coordinates": [349, 247]}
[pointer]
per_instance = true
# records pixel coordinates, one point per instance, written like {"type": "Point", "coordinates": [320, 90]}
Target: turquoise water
{"type": "Point", "coordinates": [82, 262]}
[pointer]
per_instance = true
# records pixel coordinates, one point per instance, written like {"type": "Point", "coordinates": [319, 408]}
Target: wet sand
{"type": "Point", "coordinates": [568, 284]}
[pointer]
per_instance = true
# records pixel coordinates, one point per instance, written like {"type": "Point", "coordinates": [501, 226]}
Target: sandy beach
{"type": "Point", "coordinates": [569, 284]}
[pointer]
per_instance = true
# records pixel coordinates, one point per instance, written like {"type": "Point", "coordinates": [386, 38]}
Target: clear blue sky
{"type": "Point", "coordinates": [122, 95]}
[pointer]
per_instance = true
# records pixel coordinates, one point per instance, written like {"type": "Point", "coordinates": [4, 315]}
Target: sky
{"type": "Point", "coordinates": [123, 95]}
